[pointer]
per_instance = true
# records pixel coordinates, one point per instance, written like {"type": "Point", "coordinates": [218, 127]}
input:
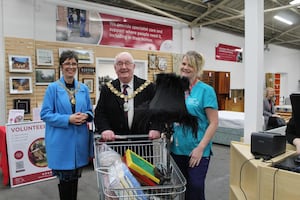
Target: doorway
{"type": "Point", "coordinates": [105, 72]}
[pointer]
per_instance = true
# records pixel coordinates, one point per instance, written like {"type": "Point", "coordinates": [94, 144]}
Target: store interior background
{"type": "Point", "coordinates": [35, 21]}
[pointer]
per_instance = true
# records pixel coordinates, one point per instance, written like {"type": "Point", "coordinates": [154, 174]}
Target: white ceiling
{"type": "Point", "coordinates": [224, 15]}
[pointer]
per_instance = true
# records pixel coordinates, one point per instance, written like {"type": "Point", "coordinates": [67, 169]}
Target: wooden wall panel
{"type": "Point", "coordinates": [27, 47]}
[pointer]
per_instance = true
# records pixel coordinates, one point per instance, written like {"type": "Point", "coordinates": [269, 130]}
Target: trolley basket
{"type": "Point", "coordinates": [155, 152]}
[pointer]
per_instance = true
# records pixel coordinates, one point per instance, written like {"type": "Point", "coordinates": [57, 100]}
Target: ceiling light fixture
{"type": "Point", "coordinates": [294, 2]}
{"type": "Point", "coordinates": [283, 20]}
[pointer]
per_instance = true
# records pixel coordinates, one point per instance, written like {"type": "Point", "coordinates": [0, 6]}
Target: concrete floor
{"type": "Point", "coordinates": [217, 182]}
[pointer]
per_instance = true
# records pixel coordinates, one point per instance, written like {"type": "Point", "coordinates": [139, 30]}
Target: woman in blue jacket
{"type": "Point", "coordinates": [66, 110]}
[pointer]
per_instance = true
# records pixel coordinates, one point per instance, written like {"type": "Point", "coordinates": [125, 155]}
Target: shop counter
{"type": "Point", "coordinates": [255, 179]}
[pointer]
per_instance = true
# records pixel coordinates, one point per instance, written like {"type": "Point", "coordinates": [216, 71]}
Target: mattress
{"type": "Point", "coordinates": [231, 119]}
{"type": "Point", "coordinates": [231, 127]}
{"type": "Point", "coordinates": [226, 135]}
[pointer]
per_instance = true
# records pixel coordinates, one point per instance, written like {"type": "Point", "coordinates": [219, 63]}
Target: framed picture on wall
{"type": "Point", "coordinates": [44, 57]}
{"type": "Point", "coordinates": [84, 56]}
{"type": "Point", "coordinates": [90, 83]}
{"type": "Point", "coordinates": [44, 76]}
{"type": "Point", "coordinates": [20, 64]}
{"type": "Point", "coordinates": [22, 104]}
{"type": "Point", "coordinates": [162, 63]}
{"type": "Point", "coordinates": [152, 61]}
{"type": "Point", "coordinates": [20, 85]}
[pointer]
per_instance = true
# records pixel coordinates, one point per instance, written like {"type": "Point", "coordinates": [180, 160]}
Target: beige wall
{"type": "Point", "coordinates": [27, 47]}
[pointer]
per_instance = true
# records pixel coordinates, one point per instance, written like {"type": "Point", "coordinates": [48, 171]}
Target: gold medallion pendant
{"type": "Point", "coordinates": [71, 92]}
{"type": "Point", "coordinates": [73, 100]}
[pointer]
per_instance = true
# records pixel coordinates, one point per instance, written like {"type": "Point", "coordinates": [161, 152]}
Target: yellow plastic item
{"type": "Point", "coordinates": [140, 165]}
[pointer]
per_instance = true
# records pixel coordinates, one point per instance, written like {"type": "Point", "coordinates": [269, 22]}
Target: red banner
{"type": "Point", "coordinates": [229, 53]}
{"type": "Point", "coordinates": [92, 27]}
{"type": "Point", "coordinates": [126, 32]}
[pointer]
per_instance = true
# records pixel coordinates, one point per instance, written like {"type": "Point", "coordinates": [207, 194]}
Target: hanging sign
{"type": "Point", "coordinates": [229, 53]}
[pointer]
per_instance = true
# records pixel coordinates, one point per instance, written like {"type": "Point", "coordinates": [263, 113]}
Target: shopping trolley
{"type": "Point", "coordinates": [153, 151]}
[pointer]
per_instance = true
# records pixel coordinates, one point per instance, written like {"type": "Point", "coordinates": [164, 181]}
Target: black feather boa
{"type": "Point", "coordinates": [168, 104]}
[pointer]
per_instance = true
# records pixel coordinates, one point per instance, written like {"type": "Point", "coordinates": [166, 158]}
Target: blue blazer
{"type": "Point", "coordinates": [68, 146]}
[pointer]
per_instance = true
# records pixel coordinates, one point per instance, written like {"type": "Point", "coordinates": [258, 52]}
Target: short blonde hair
{"type": "Point", "coordinates": [195, 60]}
{"type": "Point", "coordinates": [268, 90]}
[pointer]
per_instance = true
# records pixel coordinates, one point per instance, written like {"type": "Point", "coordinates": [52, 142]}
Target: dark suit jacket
{"type": "Point", "coordinates": [109, 113]}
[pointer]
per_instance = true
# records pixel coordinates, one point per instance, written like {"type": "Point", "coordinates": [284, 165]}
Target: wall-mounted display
{"type": "Point", "coordinates": [44, 57]}
{"type": "Point", "coordinates": [44, 76]}
{"type": "Point", "coordinates": [162, 63]}
{"type": "Point", "coordinates": [84, 56]}
{"type": "Point", "coordinates": [90, 83]}
{"type": "Point", "coordinates": [19, 63]}
{"type": "Point", "coordinates": [22, 104]}
{"type": "Point", "coordinates": [87, 70]}
{"type": "Point", "coordinates": [152, 61]}
{"type": "Point", "coordinates": [20, 85]}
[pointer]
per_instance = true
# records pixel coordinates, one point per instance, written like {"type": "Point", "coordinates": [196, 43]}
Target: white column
{"type": "Point", "coordinates": [254, 65]}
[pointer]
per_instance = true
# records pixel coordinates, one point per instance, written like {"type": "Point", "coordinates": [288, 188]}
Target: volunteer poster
{"type": "Point", "coordinates": [27, 156]}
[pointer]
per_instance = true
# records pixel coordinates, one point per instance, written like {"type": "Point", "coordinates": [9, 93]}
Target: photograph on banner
{"type": "Point", "coordinates": [78, 25]}
{"type": "Point", "coordinates": [27, 156]}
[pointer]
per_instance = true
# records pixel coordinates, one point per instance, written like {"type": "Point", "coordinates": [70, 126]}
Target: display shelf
{"type": "Point", "coordinates": [220, 81]}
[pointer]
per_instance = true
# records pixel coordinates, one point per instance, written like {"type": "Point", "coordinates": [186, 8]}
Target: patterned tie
{"type": "Point", "coordinates": [125, 89]}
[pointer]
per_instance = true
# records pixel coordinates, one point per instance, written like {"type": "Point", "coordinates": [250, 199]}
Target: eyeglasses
{"type": "Point", "coordinates": [127, 64]}
{"type": "Point", "coordinates": [70, 64]}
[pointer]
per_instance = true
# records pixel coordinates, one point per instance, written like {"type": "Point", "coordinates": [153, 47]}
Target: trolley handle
{"type": "Point", "coordinates": [124, 137]}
